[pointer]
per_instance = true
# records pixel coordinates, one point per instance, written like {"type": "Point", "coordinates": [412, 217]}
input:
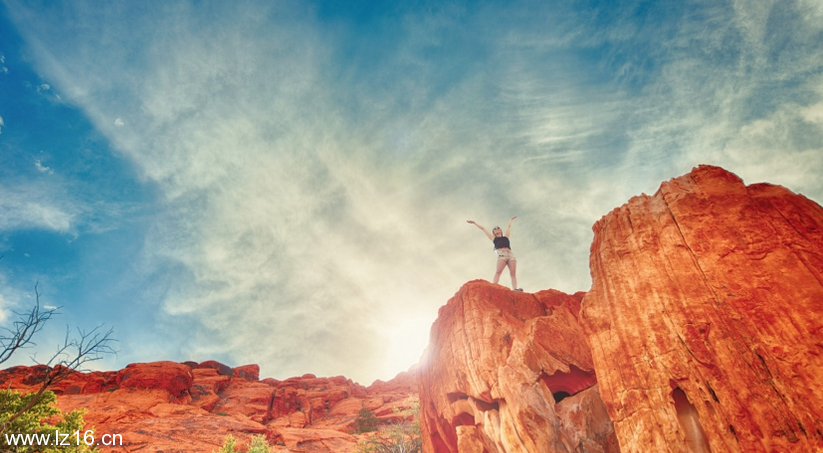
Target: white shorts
{"type": "Point", "coordinates": [505, 255]}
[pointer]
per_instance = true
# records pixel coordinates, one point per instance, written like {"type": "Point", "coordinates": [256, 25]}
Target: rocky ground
{"type": "Point", "coordinates": [191, 407]}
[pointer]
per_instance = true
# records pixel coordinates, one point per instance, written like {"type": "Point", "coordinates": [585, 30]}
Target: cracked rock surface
{"type": "Point", "coordinates": [705, 317]}
{"type": "Point", "coordinates": [508, 371]}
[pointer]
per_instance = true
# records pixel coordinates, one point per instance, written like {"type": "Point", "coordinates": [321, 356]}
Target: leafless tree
{"type": "Point", "coordinates": [71, 356]}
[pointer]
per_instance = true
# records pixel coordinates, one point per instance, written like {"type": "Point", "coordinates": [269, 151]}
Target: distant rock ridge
{"type": "Point", "coordinates": [191, 407]}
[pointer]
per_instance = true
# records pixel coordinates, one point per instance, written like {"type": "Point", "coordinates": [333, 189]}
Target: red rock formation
{"type": "Point", "coordinates": [173, 407]}
{"type": "Point", "coordinates": [172, 377]}
{"type": "Point", "coordinates": [499, 371]}
{"type": "Point", "coordinates": [703, 331]}
{"type": "Point", "coordinates": [705, 317]}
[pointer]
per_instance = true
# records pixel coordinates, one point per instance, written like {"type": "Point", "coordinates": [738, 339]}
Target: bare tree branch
{"type": "Point", "coordinates": [24, 328]}
{"type": "Point", "coordinates": [70, 357]}
{"type": "Point", "coordinates": [88, 347]}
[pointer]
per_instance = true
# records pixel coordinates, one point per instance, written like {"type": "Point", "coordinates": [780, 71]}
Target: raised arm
{"type": "Point", "coordinates": [491, 236]}
{"type": "Point", "coordinates": [509, 228]}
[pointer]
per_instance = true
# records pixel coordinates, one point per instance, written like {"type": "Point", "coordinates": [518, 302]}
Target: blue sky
{"type": "Point", "coordinates": [287, 183]}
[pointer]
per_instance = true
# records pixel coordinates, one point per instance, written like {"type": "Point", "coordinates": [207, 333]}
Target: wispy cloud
{"type": "Point", "coordinates": [12, 300]}
{"type": "Point", "coordinates": [281, 223]}
{"type": "Point", "coordinates": [316, 177]}
{"type": "Point", "coordinates": [734, 92]}
{"type": "Point", "coordinates": [31, 207]}
{"type": "Point", "coordinates": [42, 168]}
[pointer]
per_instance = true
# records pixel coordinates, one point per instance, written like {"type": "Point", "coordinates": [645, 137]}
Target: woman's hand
{"type": "Point", "coordinates": [509, 228]}
{"type": "Point", "coordinates": [470, 221]}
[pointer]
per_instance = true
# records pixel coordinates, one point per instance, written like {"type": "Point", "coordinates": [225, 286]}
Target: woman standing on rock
{"type": "Point", "coordinates": [505, 257]}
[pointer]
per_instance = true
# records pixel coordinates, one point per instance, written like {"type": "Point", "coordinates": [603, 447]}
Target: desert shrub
{"type": "Point", "coordinates": [24, 430]}
{"type": "Point", "coordinates": [228, 445]}
{"type": "Point", "coordinates": [365, 421]}
{"type": "Point", "coordinates": [401, 437]}
{"type": "Point", "coordinates": [258, 445]}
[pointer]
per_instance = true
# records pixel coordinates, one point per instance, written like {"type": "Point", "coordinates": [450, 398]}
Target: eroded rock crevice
{"type": "Point", "coordinates": [565, 384]}
{"type": "Point", "coordinates": [504, 398]}
{"type": "Point", "coordinates": [689, 419]}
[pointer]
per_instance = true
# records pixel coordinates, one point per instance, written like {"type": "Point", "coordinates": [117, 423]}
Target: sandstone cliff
{"type": "Point", "coordinates": [511, 372]}
{"type": "Point", "coordinates": [703, 331]}
{"type": "Point", "coordinates": [705, 317]}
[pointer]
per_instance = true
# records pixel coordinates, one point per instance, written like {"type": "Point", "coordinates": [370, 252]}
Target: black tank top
{"type": "Point", "coordinates": [501, 242]}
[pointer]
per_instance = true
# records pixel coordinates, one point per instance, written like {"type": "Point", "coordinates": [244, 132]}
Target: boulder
{"type": "Point", "coordinates": [247, 372]}
{"type": "Point", "coordinates": [175, 378]}
{"type": "Point", "coordinates": [252, 399]}
{"type": "Point", "coordinates": [222, 369]}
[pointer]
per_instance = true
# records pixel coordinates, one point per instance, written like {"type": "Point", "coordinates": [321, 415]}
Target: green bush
{"type": "Point", "coordinates": [404, 438]}
{"type": "Point", "coordinates": [258, 445]}
{"type": "Point", "coordinates": [31, 426]}
{"type": "Point", "coordinates": [398, 438]}
{"type": "Point", "coordinates": [366, 421]}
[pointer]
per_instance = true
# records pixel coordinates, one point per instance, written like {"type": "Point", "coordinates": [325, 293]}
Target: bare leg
{"type": "Point", "coordinates": [513, 272]}
{"type": "Point", "coordinates": [500, 266]}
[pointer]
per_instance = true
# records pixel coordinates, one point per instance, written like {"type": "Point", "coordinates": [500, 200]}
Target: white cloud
{"type": "Point", "coordinates": [813, 113]}
{"type": "Point", "coordinates": [731, 94]}
{"type": "Point", "coordinates": [32, 206]}
{"type": "Point", "coordinates": [42, 168]}
{"type": "Point", "coordinates": [12, 299]}
{"type": "Point", "coordinates": [275, 209]}
{"type": "Point", "coordinates": [314, 206]}
{"type": "Point", "coordinates": [4, 314]}
{"type": "Point", "coordinates": [792, 132]}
